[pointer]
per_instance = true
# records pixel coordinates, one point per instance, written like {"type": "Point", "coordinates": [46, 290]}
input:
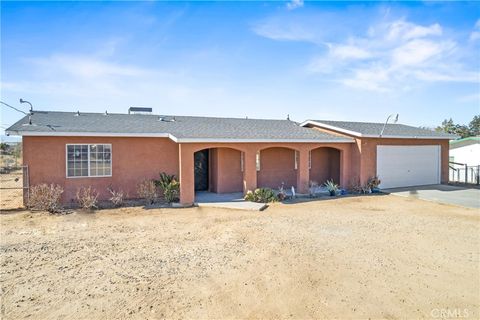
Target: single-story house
{"type": "Point", "coordinates": [466, 151]}
{"type": "Point", "coordinates": [222, 155]}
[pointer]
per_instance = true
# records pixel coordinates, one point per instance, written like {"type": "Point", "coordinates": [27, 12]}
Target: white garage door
{"type": "Point", "coordinates": [405, 166]}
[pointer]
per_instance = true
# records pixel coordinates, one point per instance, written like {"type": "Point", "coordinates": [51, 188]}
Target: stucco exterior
{"type": "Point", "coordinates": [232, 166]}
{"type": "Point", "coordinates": [364, 154]}
{"type": "Point", "coordinates": [133, 159]}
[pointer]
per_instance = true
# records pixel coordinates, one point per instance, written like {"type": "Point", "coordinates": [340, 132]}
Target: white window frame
{"type": "Point", "coordinates": [88, 162]}
{"type": "Point", "coordinates": [296, 159]}
{"type": "Point", "coordinates": [257, 161]}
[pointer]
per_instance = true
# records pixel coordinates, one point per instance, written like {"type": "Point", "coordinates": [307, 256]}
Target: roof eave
{"type": "Point", "coordinates": [386, 136]}
{"type": "Point", "coordinates": [172, 137]}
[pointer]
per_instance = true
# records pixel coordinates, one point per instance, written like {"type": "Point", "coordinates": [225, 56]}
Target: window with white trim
{"type": "Point", "coordinates": [296, 159]}
{"type": "Point", "coordinates": [257, 161]}
{"type": "Point", "coordinates": [89, 160]}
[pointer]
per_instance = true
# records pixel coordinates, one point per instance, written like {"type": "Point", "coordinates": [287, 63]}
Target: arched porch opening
{"type": "Point", "coordinates": [218, 170]}
{"type": "Point", "coordinates": [325, 164]}
{"type": "Point", "coordinates": [276, 167]}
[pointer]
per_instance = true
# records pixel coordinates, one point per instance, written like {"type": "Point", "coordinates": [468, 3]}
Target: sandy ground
{"type": "Point", "coordinates": [365, 257]}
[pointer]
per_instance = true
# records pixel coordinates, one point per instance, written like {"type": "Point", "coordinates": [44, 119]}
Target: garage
{"type": "Point", "coordinates": [405, 166]}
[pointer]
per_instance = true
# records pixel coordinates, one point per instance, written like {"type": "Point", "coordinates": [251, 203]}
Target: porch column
{"type": "Point", "coordinates": [249, 170]}
{"type": "Point", "coordinates": [303, 172]}
{"type": "Point", "coordinates": [187, 179]}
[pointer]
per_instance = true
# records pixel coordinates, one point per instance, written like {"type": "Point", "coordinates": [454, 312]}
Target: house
{"type": "Point", "coordinates": [466, 151]}
{"type": "Point", "coordinates": [223, 155]}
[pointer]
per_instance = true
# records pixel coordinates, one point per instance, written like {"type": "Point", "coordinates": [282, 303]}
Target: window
{"type": "Point", "coordinates": [257, 160]}
{"type": "Point", "coordinates": [296, 160]}
{"type": "Point", "coordinates": [89, 160]}
{"type": "Point", "coordinates": [241, 161]}
{"type": "Point", "coordinates": [310, 159]}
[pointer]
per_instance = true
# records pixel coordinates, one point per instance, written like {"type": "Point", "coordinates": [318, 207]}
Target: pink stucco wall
{"type": "Point", "coordinates": [225, 170]}
{"type": "Point", "coordinates": [277, 166]}
{"type": "Point", "coordinates": [364, 154]}
{"type": "Point", "coordinates": [325, 165]}
{"type": "Point", "coordinates": [133, 159]}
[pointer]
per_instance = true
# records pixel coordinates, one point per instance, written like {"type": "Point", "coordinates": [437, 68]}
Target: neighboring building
{"type": "Point", "coordinates": [466, 151]}
{"type": "Point", "coordinates": [223, 154]}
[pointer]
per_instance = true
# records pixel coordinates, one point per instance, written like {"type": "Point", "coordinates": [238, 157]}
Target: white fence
{"type": "Point", "coordinates": [461, 173]}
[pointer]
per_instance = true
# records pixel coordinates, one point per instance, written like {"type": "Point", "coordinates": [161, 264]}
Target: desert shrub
{"type": "Point", "coordinates": [87, 198]}
{"type": "Point", "coordinates": [281, 194]}
{"type": "Point", "coordinates": [373, 182]}
{"type": "Point", "coordinates": [45, 197]}
{"type": "Point", "coordinates": [250, 196]}
{"type": "Point", "coordinates": [331, 187]}
{"type": "Point", "coordinates": [263, 195]}
{"type": "Point", "coordinates": [147, 190]}
{"type": "Point", "coordinates": [312, 188]}
{"type": "Point", "coordinates": [170, 187]}
{"type": "Point", "coordinates": [116, 197]}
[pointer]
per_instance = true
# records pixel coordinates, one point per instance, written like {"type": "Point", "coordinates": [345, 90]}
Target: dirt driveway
{"type": "Point", "coordinates": [365, 257]}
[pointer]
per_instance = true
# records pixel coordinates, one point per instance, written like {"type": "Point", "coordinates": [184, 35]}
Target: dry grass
{"type": "Point", "coordinates": [377, 257]}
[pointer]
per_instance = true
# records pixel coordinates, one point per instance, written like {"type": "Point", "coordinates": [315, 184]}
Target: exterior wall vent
{"type": "Point", "coordinates": [139, 110]}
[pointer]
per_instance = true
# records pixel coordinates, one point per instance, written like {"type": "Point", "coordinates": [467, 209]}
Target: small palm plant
{"type": "Point", "coordinates": [332, 187]}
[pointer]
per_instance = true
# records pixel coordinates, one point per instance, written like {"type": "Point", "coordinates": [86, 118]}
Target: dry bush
{"type": "Point", "coordinates": [45, 197]}
{"type": "Point", "coordinates": [117, 197]}
{"type": "Point", "coordinates": [87, 198]}
{"type": "Point", "coordinates": [147, 190]}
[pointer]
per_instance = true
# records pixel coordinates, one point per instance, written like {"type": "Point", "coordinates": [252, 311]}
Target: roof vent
{"type": "Point", "coordinates": [139, 110]}
{"type": "Point", "coordinates": [166, 118]}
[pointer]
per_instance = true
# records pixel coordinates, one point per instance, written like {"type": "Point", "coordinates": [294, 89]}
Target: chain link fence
{"type": "Point", "coordinates": [14, 187]}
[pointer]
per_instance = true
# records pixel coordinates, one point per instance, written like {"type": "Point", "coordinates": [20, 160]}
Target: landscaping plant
{"type": "Point", "coordinates": [373, 183]}
{"type": "Point", "coordinates": [170, 187]}
{"type": "Point", "coordinates": [147, 190]}
{"type": "Point", "coordinates": [263, 195]}
{"type": "Point", "coordinates": [87, 198]}
{"type": "Point", "coordinates": [117, 197]}
{"type": "Point", "coordinates": [332, 187]}
{"type": "Point", "coordinates": [45, 197]}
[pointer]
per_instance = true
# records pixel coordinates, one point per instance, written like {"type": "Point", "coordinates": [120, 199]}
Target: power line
{"type": "Point", "coordinates": [14, 108]}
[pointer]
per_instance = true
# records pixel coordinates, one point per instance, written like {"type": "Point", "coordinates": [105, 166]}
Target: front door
{"type": "Point", "coordinates": [201, 170]}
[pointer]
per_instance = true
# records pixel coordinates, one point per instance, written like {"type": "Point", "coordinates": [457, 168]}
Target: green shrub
{"type": "Point", "coordinates": [332, 187]}
{"type": "Point", "coordinates": [263, 195]}
{"type": "Point", "coordinates": [170, 187]}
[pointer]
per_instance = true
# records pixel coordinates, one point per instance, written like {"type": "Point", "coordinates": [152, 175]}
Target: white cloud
{"type": "Point", "coordinates": [475, 35]}
{"type": "Point", "coordinates": [87, 67]}
{"type": "Point", "coordinates": [284, 32]}
{"type": "Point", "coordinates": [294, 4]}
{"type": "Point", "coordinates": [418, 52]}
{"type": "Point", "coordinates": [349, 52]}
{"type": "Point", "coordinates": [401, 29]}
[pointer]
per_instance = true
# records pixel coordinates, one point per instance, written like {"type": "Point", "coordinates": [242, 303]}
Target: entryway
{"type": "Point", "coordinates": [201, 165]}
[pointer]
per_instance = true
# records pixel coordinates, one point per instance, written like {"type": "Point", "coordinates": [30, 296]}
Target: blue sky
{"type": "Point", "coordinates": [313, 60]}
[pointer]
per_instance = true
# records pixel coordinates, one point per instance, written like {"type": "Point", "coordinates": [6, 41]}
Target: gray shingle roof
{"type": "Point", "coordinates": [372, 129]}
{"type": "Point", "coordinates": [182, 128]}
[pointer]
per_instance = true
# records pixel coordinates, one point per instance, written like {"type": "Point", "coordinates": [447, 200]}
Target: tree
{"type": "Point", "coordinates": [474, 126]}
{"type": "Point", "coordinates": [447, 126]}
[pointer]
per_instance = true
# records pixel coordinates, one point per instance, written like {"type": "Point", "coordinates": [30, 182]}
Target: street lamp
{"type": "Point", "coordinates": [25, 101]}
{"type": "Point", "coordinates": [394, 121]}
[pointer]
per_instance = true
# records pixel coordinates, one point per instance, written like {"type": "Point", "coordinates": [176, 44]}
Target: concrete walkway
{"type": "Point", "coordinates": [460, 196]}
{"type": "Point", "coordinates": [227, 200]}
